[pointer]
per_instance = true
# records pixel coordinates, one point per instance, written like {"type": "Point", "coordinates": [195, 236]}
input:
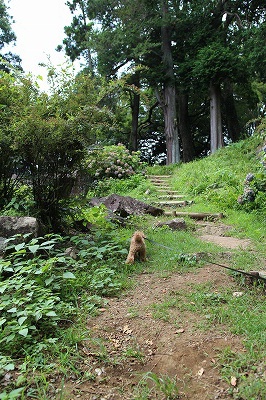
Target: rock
{"type": "Point", "coordinates": [71, 252]}
{"type": "Point", "coordinates": [2, 244]}
{"type": "Point", "coordinates": [125, 205]}
{"type": "Point", "coordinates": [10, 226]}
{"type": "Point", "coordinates": [175, 224]}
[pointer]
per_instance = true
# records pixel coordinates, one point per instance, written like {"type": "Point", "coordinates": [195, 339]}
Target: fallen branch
{"type": "Point", "coordinates": [194, 215]}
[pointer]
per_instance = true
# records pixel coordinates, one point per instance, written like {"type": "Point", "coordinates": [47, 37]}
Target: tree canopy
{"type": "Point", "coordinates": [188, 53]}
{"type": "Point", "coordinates": [7, 36]}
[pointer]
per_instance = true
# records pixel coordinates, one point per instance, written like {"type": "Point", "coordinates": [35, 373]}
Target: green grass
{"type": "Point", "coordinates": [214, 183]}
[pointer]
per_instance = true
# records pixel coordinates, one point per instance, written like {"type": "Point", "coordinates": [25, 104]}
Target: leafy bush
{"type": "Point", "coordinates": [121, 186]}
{"type": "Point", "coordinates": [41, 286]}
{"type": "Point", "coordinates": [113, 161]}
{"type": "Point", "coordinates": [22, 202]}
{"type": "Point", "coordinates": [93, 217]}
{"type": "Point", "coordinates": [44, 139]}
{"type": "Point", "coordinates": [104, 282]}
{"type": "Point", "coordinates": [101, 247]}
{"type": "Point", "coordinates": [30, 291]}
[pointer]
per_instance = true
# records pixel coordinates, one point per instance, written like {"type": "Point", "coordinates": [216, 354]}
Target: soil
{"type": "Point", "coordinates": [134, 341]}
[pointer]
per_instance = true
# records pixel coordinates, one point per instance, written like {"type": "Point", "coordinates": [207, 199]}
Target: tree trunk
{"type": "Point", "coordinates": [184, 129]}
{"type": "Point", "coordinates": [215, 118]}
{"type": "Point", "coordinates": [231, 118]}
{"type": "Point", "coordinates": [169, 92]}
{"type": "Point", "coordinates": [170, 124]}
{"type": "Point", "coordinates": [134, 122]}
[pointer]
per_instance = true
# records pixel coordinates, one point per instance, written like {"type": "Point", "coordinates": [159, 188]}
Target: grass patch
{"type": "Point", "coordinates": [47, 296]}
{"type": "Point", "coordinates": [244, 316]}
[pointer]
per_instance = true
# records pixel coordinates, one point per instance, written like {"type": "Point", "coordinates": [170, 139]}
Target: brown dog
{"type": "Point", "coordinates": [137, 248]}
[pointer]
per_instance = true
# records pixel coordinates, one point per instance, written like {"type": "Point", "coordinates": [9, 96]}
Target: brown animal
{"type": "Point", "coordinates": [137, 248]}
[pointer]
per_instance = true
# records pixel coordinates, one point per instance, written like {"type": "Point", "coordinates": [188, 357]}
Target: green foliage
{"type": "Point", "coordinates": [52, 150]}
{"type": "Point", "coordinates": [219, 182]}
{"type": "Point", "coordinates": [216, 62]}
{"type": "Point", "coordinates": [44, 289]}
{"type": "Point", "coordinates": [135, 186]}
{"type": "Point", "coordinates": [103, 246]}
{"type": "Point", "coordinates": [10, 160]}
{"type": "Point", "coordinates": [43, 139]}
{"type": "Point", "coordinates": [93, 217]}
{"type": "Point", "coordinates": [22, 202]}
{"type": "Point", "coordinates": [7, 36]}
{"type": "Point", "coordinates": [103, 282]}
{"type": "Point", "coordinates": [30, 291]}
{"type": "Point", "coordinates": [113, 161]}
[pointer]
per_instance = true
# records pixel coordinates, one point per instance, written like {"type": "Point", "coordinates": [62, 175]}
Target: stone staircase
{"type": "Point", "coordinates": [167, 197]}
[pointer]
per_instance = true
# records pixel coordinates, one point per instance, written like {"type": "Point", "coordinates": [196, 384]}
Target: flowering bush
{"type": "Point", "coordinates": [254, 190]}
{"type": "Point", "coordinates": [114, 162]}
{"type": "Point", "coordinates": [255, 184]}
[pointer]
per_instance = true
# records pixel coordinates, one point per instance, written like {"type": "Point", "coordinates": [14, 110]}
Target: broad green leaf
{"type": "Point", "coordinates": [33, 328]}
{"type": "Point", "coordinates": [34, 248]}
{"type": "Point", "coordinates": [21, 320]}
{"type": "Point", "coordinates": [61, 259]}
{"type": "Point", "coordinates": [19, 246]}
{"type": "Point", "coordinates": [11, 310]}
{"type": "Point", "coordinates": [14, 394]}
{"type": "Point", "coordinates": [38, 315]}
{"type": "Point", "coordinates": [49, 280]}
{"type": "Point", "coordinates": [10, 367]}
{"type": "Point", "coordinates": [51, 314]}
{"type": "Point", "coordinates": [3, 288]}
{"type": "Point", "coordinates": [68, 275]}
{"type": "Point", "coordinates": [24, 332]}
{"type": "Point", "coordinates": [49, 244]}
{"type": "Point", "coordinates": [10, 337]}
{"type": "Point", "coordinates": [2, 321]}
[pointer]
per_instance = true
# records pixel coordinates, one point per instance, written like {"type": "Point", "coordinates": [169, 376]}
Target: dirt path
{"type": "Point", "coordinates": [134, 334]}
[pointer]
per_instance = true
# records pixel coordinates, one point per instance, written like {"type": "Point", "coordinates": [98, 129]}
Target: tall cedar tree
{"type": "Point", "coordinates": [191, 50]}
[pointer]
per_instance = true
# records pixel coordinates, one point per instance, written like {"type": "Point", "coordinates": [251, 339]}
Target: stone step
{"type": "Point", "coordinates": [158, 176]}
{"type": "Point", "coordinates": [172, 196]}
{"type": "Point", "coordinates": [163, 186]}
{"type": "Point", "coordinates": [159, 182]}
{"type": "Point", "coordinates": [166, 192]}
{"type": "Point", "coordinates": [170, 192]}
{"type": "Point", "coordinates": [172, 203]}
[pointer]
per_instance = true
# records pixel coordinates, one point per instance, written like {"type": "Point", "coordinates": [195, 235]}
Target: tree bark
{"type": "Point", "coordinates": [135, 122]}
{"type": "Point", "coordinates": [134, 104]}
{"type": "Point", "coordinates": [231, 117]}
{"type": "Point", "coordinates": [169, 92]}
{"type": "Point", "coordinates": [184, 129]}
{"type": "Point", "coordinates": [215, 117]}
{"type": "Point", "coordinates": [170, 123]}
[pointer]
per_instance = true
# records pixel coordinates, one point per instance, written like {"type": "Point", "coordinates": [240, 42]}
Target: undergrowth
{"type": "Point", "coordinates": [51, 285]}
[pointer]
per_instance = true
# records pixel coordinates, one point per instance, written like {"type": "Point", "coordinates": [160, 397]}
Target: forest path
{"type": "Point", "coordinates": [153, 329]}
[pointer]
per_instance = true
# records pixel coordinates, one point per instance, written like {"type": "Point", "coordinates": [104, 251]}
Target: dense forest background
{"type": "Point", "coordinates": [174, 80]}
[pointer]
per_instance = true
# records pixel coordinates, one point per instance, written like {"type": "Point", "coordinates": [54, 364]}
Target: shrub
{"type": "Point", "coordinates": [104, 282]}
{"type": "Point", "coordinates": [22, 202]}
{"type": "Point", "coordinates": [30, 287]}
{"type": "Point", "coordinates": [120, 186]}
{"type": "Point", "coordinates": [113, 161]}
